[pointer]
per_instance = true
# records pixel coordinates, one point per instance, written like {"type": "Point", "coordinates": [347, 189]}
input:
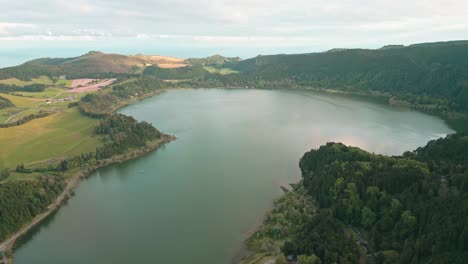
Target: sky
{"type": "Point", "coordinates": [245, 28]}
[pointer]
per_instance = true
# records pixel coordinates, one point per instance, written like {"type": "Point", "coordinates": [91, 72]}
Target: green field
{"type": "Point", "coordinates": [220, 71]}
{"type": "Point", "coordinates": [41, 80]}
{"type": "Point", "coordinates": [64, 134]}
{"type": "Point", "coordinates": [22, 102]}
{"type": "Point", "coordinates": [47, 93]}
{"type": "Point", "coordinates": [65, 83]}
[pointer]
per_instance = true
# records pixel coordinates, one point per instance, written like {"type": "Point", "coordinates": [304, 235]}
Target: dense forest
{"type": "Point", "coordinates": [104, 102]}
{"type": "Point", "coordinates": [20, 201]}
{"type": "Point", "coordinates": [430, 77]}
{"type": "Point", "coordinates": [183, 73]}
{"type": "Point", "coordinates": [123, 133]}
{"type": "Point", "coordinates": [35, 87]}
{"type": "Point", "coordinates": [404, 209]}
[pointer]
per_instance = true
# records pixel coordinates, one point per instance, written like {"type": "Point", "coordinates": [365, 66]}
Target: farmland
{"type": "Point", "coordinates": [63, 134]}
{"type": "Point", "coordinates": [40, 80]}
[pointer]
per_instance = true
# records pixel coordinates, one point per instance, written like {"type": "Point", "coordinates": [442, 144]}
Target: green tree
{"type": "Point", "coordinates": [281, 259]}
{"type": "Point", "coordinates": [367, 217]}
{"type": "Point", "coordinates": [304, 259]}
{"type": "Point", "coordinates": [4, 174]}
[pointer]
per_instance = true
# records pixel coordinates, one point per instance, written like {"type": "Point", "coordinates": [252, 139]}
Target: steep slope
{"type": "Point", "coordinates": [425, 74]}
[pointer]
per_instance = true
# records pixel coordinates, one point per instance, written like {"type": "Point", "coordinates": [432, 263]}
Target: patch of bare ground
{"type": "Point", "coordinates": [163, 61]}
{"type": "Point", "coordinates": [92, 87]}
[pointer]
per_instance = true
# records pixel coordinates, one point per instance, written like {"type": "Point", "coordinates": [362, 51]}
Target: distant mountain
{"type": "Point", "coordinates": [427, 74]}
{"type": "Point", "coordinates": [88, 65]}
{"type": "Point", "coordinates": [431, 76]}
{"type": "Point", "coordinates": [215, 60]}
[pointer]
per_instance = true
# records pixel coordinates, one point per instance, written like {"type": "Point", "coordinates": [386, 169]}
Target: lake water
{"type": "Point", "coordinates": [194, 200]}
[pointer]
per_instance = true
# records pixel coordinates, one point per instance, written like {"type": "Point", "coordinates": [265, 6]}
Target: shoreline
{"type": "Point", "coordinates": [133, 154]}
{"type": "Point", "coordinates": [8, 245]}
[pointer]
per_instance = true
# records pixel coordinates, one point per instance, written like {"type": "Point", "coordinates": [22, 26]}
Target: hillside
{"type": "Point", "coordinates": [432, 77]}
{"type": "Point", "coordinates": [92, 64]}
{"type": "Point", "coordinates": [353, 205]}
{"type": "Point", "coordinates": [435, 75]}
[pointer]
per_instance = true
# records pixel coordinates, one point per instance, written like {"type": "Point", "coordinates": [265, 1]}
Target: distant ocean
{"type": "Point", "coordinates": [12, 57]}
{"type": "Point", "coordinates": [12, 54]}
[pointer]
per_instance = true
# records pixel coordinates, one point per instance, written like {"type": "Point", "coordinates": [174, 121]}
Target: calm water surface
{"type": "Point", "coordinates": [194, 200]}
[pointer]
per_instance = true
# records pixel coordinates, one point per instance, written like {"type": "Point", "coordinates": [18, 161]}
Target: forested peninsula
{"type": "Point", "coordinates": [356, 207]}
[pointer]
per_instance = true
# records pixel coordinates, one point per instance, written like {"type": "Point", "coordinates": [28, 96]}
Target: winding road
{"type": "Point", "coordinates": [37, 106]}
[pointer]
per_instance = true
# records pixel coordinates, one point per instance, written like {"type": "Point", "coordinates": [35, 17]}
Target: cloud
{"type": "Point", "coordinates": [8, 28]}
{"type": "Point", "coordinates": [333, 23]}
{"type": "Point", "coordinates": [48, 38]}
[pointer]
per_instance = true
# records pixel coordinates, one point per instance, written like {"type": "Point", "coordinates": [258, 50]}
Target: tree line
{"type": "Point", "coordinates": [5, 103]}
{"type": "Point", "coordinates": [35, 88]}
{"type": "Point", "coordinates": [103, 102]}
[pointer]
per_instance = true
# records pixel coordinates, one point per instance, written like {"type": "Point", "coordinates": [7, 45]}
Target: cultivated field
{"type": "Point", "coordinates": [64, 134]}
{"type": "Point", "coordinates": [92, 87]}
{"type": "Point", "coordinates": [80, 82]}
{"type": "Point", "coordinates": [22, 102]}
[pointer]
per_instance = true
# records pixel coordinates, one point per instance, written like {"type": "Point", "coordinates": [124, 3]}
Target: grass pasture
{"type": "Point", "coordinates": [22, 102]}
{"type": "Point", "coordinates": [41, 80]}
{"type": "Point", "coordinates": [64, 83]}
{"type": "Point", "coordinates": [222, 71]}
{"type": "Point", "coordinates": [47, 93]}
{"type": "Point", "coordinates": [64, 134]}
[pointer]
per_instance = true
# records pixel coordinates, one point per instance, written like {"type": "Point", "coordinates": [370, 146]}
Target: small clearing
{"type": "Point", "coordinates": [80, 82]}
{"type": "Point", "coordinates": [92, 87]}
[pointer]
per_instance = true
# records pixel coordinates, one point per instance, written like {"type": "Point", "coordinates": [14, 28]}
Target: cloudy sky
{"type": "Point", "coordinates": [242, 27]}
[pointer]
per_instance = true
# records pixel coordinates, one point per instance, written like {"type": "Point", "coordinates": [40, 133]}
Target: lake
{"type": "Point", "coordinates": [195, 199]}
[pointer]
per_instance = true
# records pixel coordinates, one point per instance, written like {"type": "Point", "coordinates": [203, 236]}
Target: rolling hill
{"type": "Point", "coordinates": [431, 76]}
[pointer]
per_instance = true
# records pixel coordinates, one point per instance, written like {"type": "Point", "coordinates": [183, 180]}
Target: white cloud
{"type": "Point", "coordinates": [6, 28]}
{"type": "Point", "coordinates": [48, 38]}
{"type": "Point", "coordinates": [333, 23]}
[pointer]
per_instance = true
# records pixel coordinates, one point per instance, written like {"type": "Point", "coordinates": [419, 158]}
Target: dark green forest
{"type": "Point", "coordinates": [123, 133]}
{"type": "Point", "coordinates": [104, 102]}
{"type": "Point", "coordinates": [410, 209]}
{"type": "Point", "coordinates": [20, 201]}
{"type": "Point", "coordinates": [429, 77]}
{"type": "Point", "coordinates": [35, 87]}
{"type": "Point", "coordinates": [183, 73]}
